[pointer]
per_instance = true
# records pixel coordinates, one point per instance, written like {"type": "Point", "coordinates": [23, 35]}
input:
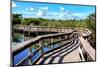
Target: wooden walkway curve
{"type": "Point", "coordinates": [74, 48]}
{"type": "Point", "coordinates": [87, 48]}
{"type": "Point", "coordinates": [68, 53]}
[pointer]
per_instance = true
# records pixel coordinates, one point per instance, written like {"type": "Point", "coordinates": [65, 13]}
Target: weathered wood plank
{"type": "Point", "coordinates": [21, 46]}
{"type": "Point", "coordinates": [41, 29]}
{"type": "Point", "coordinates": [87, 47]}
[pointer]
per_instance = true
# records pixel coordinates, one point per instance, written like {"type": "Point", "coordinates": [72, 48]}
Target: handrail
{"type": "Point", "coordinates": [87, 48]}
{"type": "Point", "coordinates": [29, 43]}
{"type": "Point", "coordinates": [34, 52]}
{"type": "Point", "coordinates": [47, 29]}
{"type": "Point", "coordinates": [18, 48]}
{"type": "Point", "coordinates": [84, 29]}
{"type": "Point", "coordinates": [44, 27]}
{"type": "Point", "coordinates": [54, 29]}
{"type": "Point", "coordinates": [26, 44]}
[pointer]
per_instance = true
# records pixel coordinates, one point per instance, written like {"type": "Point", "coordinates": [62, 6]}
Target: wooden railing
{"type": "Point", "coordinates": [87, 50]}
{"type": "Point", "coordinates": [85, 32]}
{"type": "Point", "coordinates": [42, 29]}
{"type": "Point", "coordinates": [39, 41]}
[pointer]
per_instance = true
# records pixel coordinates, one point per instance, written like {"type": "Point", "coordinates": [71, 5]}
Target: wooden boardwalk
{"type": "Point", "coordinates": [88, 48]}
{"type": "Point", "coordinates": [72, 49]}
{"type": "Point", "coordinates": [71, 57]}
{"type": "Point", "coordinates": [42, 29]}
{"type": "Point", "coordinates": [62, 55]}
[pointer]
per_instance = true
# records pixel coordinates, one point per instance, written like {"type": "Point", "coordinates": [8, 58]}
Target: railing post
{"type": "Point", "coordinates": [64, 30]}
{"type": "Point", "coordinates": [12, 61]}
{"type": "Point", "coordinates": [41, 45]}
{"type": "Point", "coordinates": [60, 30]}
{"type": "Point", "coordinates": [50, 29]}
{"type": "Point", "coordinates": [65, 36]}
{"type": "Point", "coordinates": [81, 52]}
{"type": "Point", "coordinates": [30, 53]}
{"type": "Point", "coordinates": [71, 35]}
{"type": "Point", "coordinates": [68, 36]}
{"type": "Point", "coordinates": [24, 33]}
{"type": "Point", "coordinates": [29, 32]}
{"type": "Point", "coordinates": [60, 40]}
{"type": "Point", "coordinates": [52, 40]}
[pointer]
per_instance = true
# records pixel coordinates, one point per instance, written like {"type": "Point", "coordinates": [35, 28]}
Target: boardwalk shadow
{"type": "Point", "coordinates": [61, 51]}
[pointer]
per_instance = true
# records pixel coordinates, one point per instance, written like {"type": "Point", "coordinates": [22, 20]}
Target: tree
{"type": "Point", "coordinates": [16, 18]}
{"type": "Point", "coordinates": [91, 23]}
{"type": "Point", "coordinates": [90, 20]}
{"type": "Point", "coordinates": [36, 21]}
{"type": "Point", "coordinates": [26, 21]}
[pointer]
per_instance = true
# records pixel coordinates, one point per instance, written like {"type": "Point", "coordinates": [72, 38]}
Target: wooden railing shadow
{"type": "Point", "coordinates": [27, 44]}
{"type": "Point", "coordinates": [39, 41]}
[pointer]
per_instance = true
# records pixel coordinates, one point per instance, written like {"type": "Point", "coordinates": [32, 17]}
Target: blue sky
{"type": "Point", "coordinates": [51, 10]}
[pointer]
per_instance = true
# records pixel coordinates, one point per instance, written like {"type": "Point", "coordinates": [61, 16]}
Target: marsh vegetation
{"type": "Point", "coordinates": [89, 23]}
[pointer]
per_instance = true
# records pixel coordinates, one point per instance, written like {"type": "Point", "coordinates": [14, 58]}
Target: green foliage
{"type": "Point", "coordinates": [35, 46]}
{"type": "Point", "coordinates": [16, 18]}
{"type": "Point", "coordinates": [88, 23]}
{"type": "Point", "coordinates": [33, 21]}
{"type": "Point", "coordinates": [17, 38]}
{"type": "Point", "coordinates": [26, 21]}
{"type": "Point", "coordinates": [91, 23]}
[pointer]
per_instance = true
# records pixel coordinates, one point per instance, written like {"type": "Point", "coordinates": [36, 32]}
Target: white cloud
{"type": "Point", "coordinates": [67, 11]}
{"type": "Point", "coordinates": [28, 12]}
{"type": "Point", "coordinates": [66, 14]}
{"type": "Point", "coordinates": [44, 8]}
{"type": "Point", "coordinates": [13, 4]}
{"type": "Point", "coordinates": [61, 8]}
{"type": "Point", "coordinates": [31, 8]}
{"type": "Point", "coordinates": [27, 8]}
{"type": "Point", "coordinates": [17, 12]}
{"type": "Point", "coordinates": [39, 13]}
{"type": "Point", "coordinates": [42, 12]}
{"type": "Point", "coordinates": [79, 14]}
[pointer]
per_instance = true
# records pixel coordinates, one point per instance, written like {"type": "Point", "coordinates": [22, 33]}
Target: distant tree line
{"type": "Point", "coordinates": [89, 23]}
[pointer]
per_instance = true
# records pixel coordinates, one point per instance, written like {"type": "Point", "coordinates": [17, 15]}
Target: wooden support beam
{"type": "Point", "coordinates": [81, 52]}
{"type": "Point", "coordinates": [59, 38]}
{"type": "Point", "coordinates": [29, 32]}
{"type": "Point", "coordinates": [30, 53]}
{"type": "Point", "coordinates": [52, 40]}
{"type": "Point", "coordinates": [65, 36]}
{"type": "Point", "coordinates": [41, 45]}
{"type": "Point", "coordinates": [87, 48]}
{"type": "Point", "coordinates": [22, 46]}
{"type": "Point", "coordinates": [24, 34]}
{"type": "Point", "coordinates": [68, 36]}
